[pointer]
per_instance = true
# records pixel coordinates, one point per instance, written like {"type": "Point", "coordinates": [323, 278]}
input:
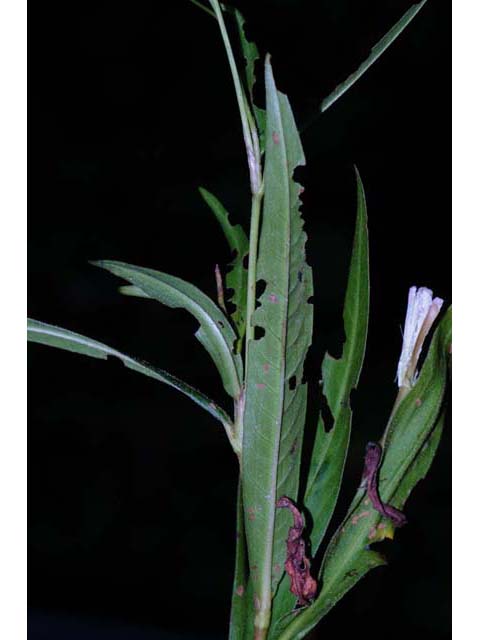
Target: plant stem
{"type": "Point", "coordinates": [260, 634]}
{"type": "Point", "coordinates": [250, 136]}
{"type": "Point", "coordinates": [252, 146]}
{"type": "Point", "coordinates": [252, 264]}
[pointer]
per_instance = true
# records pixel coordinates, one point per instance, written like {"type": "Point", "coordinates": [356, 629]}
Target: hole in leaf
{"type": "Point", "coordinates": [221, 324]}
{"type": "Point", "coordinates": [259, 291]}
{"type": "Point", "coordinates": [327, 416]}
{"type": "Point", "coordinates": [335, 341]}
{"type": "Point", "coordinates": [300, 175]}
{"type": "Point", "coordinates": [231, 306]}
{"type": "Point", "coordinates": [258, 332]}
{"type": "Point", "coordinates": [310, 300]}
{"type": "Point", "coordinates": [300, 276]}
{"type": "Point", "coordinates": [292, 383]}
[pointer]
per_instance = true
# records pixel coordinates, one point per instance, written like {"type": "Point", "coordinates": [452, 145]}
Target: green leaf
{"type": "Point", "coordinates": [381, 46]}
{"type": "Point", "coordinates": [420, 465]}
{"type": "Point", "coordinates": [412, 440]}
{"type": "Point", "coordinates": [215, 332]}
{"type": "Point", "coordinates": [132, 291]}
{"type": "Point", "coordinates": [251, 55]}
{"type": "Point", "coordinates": [339, 378]}
{"type": "Point", "coordinates": [237, 276]}
{"type": "Point", "coordinates": [52, 336]}
{"type": "Point", "coordinates": [276, 395]}
{"type": "Point", "coordinates": [249, 130]}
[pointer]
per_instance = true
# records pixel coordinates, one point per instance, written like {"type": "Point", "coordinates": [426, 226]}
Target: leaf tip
{"type": "Point", "coordinates": [97, 263]}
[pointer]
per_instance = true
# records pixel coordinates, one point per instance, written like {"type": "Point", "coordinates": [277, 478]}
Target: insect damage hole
{"type": "Point", "coordinates": [327, 416]}
{"type": "Point", "coordinates": [260, 287]}
{"type": "Point", "coordinates": [258, 332]}
{"type": "Point", "coordinates": [292, 383]}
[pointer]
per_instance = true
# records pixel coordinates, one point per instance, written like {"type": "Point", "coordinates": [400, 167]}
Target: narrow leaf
{"type": "Point", "coordinates": [250, 134]}
{"type": "Point", "coordinates": [276, 395]}
{"type": "Point", "coordinates": [236, 279]}
{"type": "Point", "coordinates": [215, 332]}
{"type": "Point", "coordinates": [339, 378]}
{"type": "Point", "coordinates": [52, 336]}
{"type": "Point", "coordinates": [132, 291]}
{"type": "Point", "coordinates": [413, 438]}
{"type": "Point", "coordinates": [251, 55]}
{"type": "Point", "coordinates": [381, 46]}
{"type": "Point", "coordinates": [250, 52]}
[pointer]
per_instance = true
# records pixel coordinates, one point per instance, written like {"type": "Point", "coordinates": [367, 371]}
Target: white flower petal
{"type": "Point", "coordinates": [421, 313]}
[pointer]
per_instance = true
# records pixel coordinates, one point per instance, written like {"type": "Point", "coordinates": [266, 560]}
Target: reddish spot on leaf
{"type": "Point", "coordinates": [297, 565]}
{"type": "Point", "coordinates": [260, 385]}
{"type": "Point", "coordinates": [240, 590]}
{"type": "Point", "coordinates": [266, 368]}
{"type": "Point", "coordinates": [382, 525]}
{"type": "Point", "coordinates": [251, 515]}
{"type": "Point", "coordinates": [418, 402]}
{"type": "Point", "coordinates": [275, 137]}
{"type": "Point", "coordinates": [372, 533]}
{"type": "Point", "coordinates": [277, 568]}
{"type": "Point", "coordinates": [356, 518]}
{"type": "Point", "coordinates": [273, 298]}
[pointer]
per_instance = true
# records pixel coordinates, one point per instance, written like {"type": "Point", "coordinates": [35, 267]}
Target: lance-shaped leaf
{"type": "Point", "coordinates": [339, 378]}
{"type": "Point", "coordinates": [236, 279]}
{"type": "Point", "coordinates": [381, 46]}
{"type": "Point", "coordinates": [249, 129]}
{"type": "Point", "coordinates": [215, 332]}
{"type": "Point", "coordinates": [413, 437]}
{"type": "Point", "coordinates": [52, 336]}
{"type": "Point", "coordinates": [251, 55]}
{"type": "Point", "coordinates": [276, 395]}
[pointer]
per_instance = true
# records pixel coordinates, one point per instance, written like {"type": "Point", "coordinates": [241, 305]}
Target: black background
{"type": "Point", "coordinates": [132, 487]}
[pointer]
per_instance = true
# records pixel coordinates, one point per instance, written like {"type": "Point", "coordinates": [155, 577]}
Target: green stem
{"type": "Point", "coordinates": [250, 136]}
{"type": "Point", "coordinates": [252, 264]}
{"type": "Point", "coordinates": [238, 609]}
